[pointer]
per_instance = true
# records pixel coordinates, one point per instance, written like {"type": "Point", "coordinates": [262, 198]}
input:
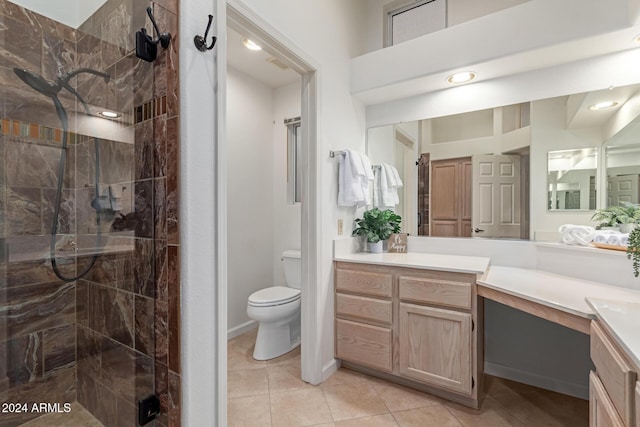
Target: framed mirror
{"type": "Point", "coordinates": [571, 177]}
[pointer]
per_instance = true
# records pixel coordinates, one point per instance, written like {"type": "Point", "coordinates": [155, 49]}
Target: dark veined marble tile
{"type": "Point", "coordinates": [97, 399]}
{"type": "Point", "coordinates": [59, 348]}
{"type": "Point", "coordinates": [59, 387]}
{"type": "Point", "coordinates": [111, 312]}
{"type": "Point", "coordinates": [142, 83]}
{"type": "Point", "coordinates": [144, 334]}
{"type": "Point", "coordinates": [160, 208]}
{"type": "Point", "coordinates": [59, 56]}
{"type": "Point", "coordinates": [127, 413]}
{"type": "Point", "coordinates": [66, 215]}
{"type": "Point", "coordinates": [160, 76]}
{"type": "Point", "coordinates": [143, 267]}
{"type": "Point", "coordinates": [104, 270]}
{"type": "Point", "coordinates": [174, 400]}
{"type": "Point", "coordinates": [32, 165]}
{"type": "Point", "coordinates": [173, 96]}
{"type": "Point", "coordinates": [174, 333]}
{"type": "Point", "coordinates": [160, 146]}
{"type": "Point", "coordinates": [125, 371]}
{"type": "Point", "coordinates": [35, 272]}
{"type": "Point", "coordinates": [161, 270]}
{"type": "Point", "coordinates": [162, 391]}
{"type": "Point", "coordinates": [25, 16]}
{"type": "Point", "coordinates": [144, 208]}
{"type": "Point", "coordinates": [89, 352]}
{"type": "Point", "coordinates": [117, 30]}
{"type": "Point", "coordinates": [55, 29]}
{"type": "Point", "coordinates": [3, 161]}
{"type": "Point", "coordinates": [124, 82]}
{"type": "Point", "coordinates": [24, 210]}
{"type": "Point", "coordinates": [37, 307]}
{"type": "Point", "coordinates": [23, 358]}
{"type": "Point", "coordinates": [161, 326]}
{"type": "Point", "coordinates": [173, 161]}
{"type": "Point", "coordinates": [89, 55]}
{"type": "Point", "coordinates": [144, 150]}
{"type": "Point", "coordinates": [3, 214]}
{"type": "Point", "coordinates": [125, 271]}
{"type": "Point", "coordinates": [82, 302]}
{"type": "Point", "coordinates": [17, 49]}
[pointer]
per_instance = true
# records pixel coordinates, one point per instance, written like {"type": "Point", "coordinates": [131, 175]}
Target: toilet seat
{"type": "Point", "coordinates": [275, 295]}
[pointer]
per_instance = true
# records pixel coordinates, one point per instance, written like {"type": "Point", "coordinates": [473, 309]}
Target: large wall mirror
{"type": "Point", "coordinates": [515, 171]}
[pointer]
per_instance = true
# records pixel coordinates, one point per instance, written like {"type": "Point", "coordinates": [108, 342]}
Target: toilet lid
{"type": "Point", "coordinates": [274, 295]}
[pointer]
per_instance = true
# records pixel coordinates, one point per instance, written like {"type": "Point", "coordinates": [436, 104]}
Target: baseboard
{"type": "Point", "coordinates": [241, 329]}
{"type": "Point", "coordinates": [330, 368]}
{"type": "Point", "coordinates": [548, 383]}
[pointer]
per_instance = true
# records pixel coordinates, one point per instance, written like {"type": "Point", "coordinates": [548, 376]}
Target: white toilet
{"type": "Point", "coordinates": [278, 310]}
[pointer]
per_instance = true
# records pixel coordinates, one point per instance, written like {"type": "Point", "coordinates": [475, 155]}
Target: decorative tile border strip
{"type": "Point", "coordinates": [17, 128]}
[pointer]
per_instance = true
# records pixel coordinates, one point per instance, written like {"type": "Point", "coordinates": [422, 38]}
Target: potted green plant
{"type": "Point", "coordinates": [633, 250]}
{"type": "Point", "coordinates": [377, 226]}
{"type": "Point", "coordinates": [624, 217]}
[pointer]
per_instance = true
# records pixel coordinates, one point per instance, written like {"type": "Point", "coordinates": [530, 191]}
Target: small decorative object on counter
{"type": "Point", "coordinates": [633, 250]}
{"type": "Point", "coordinates": [377, 226]}
{"type": "Point", "coordinates": [397, 243]}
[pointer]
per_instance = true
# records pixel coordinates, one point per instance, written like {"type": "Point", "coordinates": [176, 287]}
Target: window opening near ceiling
{"type": "Point", "coordinates": [294, 160]}
{"type": "Point", "coordinates": [415, 19]}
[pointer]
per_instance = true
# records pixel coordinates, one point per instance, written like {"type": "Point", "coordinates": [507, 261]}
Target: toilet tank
{"type": "Point", "coordinates": [292, 263]}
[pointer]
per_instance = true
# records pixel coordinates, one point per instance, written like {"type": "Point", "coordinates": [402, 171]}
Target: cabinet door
{"type": "Point", "coordinates": [602, 413]}
{"type": "Point", "coordinates": [364, 344]}
{"type": "Point", "coordinates": [436, 347]}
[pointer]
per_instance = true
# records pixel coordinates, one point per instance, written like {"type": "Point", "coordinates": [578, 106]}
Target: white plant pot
{"type": "Point", "coordinates": [375, 248]}
{"type": "Point", "coordinates": [627, 228]}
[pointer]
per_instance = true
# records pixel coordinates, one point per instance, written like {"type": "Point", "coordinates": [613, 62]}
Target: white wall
{"type": "Point", "coordinates": [250, 198]}
{"type": "Point", "coordinates": [286, 216]}
{"type": "Point", "coordinates": [329, 34]}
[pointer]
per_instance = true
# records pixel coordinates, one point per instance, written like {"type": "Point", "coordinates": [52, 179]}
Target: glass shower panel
{"type": "Point", "coordinates": [79, 131]}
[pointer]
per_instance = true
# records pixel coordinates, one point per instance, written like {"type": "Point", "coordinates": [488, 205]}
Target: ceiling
{"type": "Point", "coordinates": [579, 115]}
{"type": "Point", "coordinates": [257, 64]}
{"type": "Point", "coordinates": [69, 12]}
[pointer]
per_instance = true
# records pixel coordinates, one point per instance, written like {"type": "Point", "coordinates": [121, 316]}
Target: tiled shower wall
{"type": "Point", "coordinates": [124, 315]}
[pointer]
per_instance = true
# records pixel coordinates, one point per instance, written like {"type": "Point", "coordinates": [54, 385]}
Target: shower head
{"type": "Point", "coordinates": [38, 83]}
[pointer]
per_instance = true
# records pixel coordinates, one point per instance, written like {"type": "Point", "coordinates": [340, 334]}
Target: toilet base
{"type": "Point", "coordinates": [275, 339]}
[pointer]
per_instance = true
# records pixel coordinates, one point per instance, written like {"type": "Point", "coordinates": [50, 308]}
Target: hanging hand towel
{"type": "Point", "coordinates": [366, 179]}
{"type": "Point", "coordinates": [349, 184]}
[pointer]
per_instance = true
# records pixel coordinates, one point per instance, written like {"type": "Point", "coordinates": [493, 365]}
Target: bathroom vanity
{"type": "Point", "coordinates": [413, 319]}
{"type": "Point", "coordinates": [417, 319]}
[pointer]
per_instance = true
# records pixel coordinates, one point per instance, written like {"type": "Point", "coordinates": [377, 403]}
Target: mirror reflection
{"type": "Point", "coordinates": [482, 173]}
{"type": "Point", "coordinates": [572, 179]}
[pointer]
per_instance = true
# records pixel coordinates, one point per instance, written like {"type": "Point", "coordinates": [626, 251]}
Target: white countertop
{"type": "Point", "coordinates": [553, 290]}
{"type": "Point", "coordinates": [453, 263]}
{"type": "Point", "coordinates": [623, 319]}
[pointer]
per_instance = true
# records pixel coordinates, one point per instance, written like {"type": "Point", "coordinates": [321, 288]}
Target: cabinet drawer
{"type": "Point", "coordinates": [435, 291]}
{"type": "Point", "coordinates": [614, 372]}
{"type": "Point", "coordinates": [364, 344]}
{"type": "Point", "coordinates": [601, 410]}
{"type": "Point", "coordinates": [364, 308]}
{"type": "Point", "coordinates": [376, 284]}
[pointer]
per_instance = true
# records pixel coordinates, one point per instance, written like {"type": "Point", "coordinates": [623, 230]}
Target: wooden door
{"type": "Point", "coordinates": [423, 195]}
{"type": "Point", "coordinates": [496, 196]}
{"type": "Point", "coordinates": [623, 188]}
{"type": "Point", "coordinates": [450, 197]}
{"type": "Point", "coordinates": [602, 413]}
{"type": "Point", "coordinates": [436, 347]}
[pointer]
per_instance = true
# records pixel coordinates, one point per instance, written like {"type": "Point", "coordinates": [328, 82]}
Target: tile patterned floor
{"type": "Point", "coordinates": [271, 394]}
{"type": "Point", "coordinates": [77, 417]}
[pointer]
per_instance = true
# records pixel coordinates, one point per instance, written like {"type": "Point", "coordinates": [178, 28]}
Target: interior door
{"type": "Point", "coordinates": [623, 188]}
{"type": "Point", "coordinates": [496, 196]}
{"type": "Point", "coordinates": [423, 195]}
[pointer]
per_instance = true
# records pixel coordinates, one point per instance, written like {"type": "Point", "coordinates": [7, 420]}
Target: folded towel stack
{"type": "Point", "coordinates": [576, 234]}
{"type": "Point", "coordinates": [354, 175]}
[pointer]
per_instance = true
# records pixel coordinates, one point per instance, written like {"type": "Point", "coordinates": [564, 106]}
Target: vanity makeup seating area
{"type": "Point", "coordinates": [418, 319]}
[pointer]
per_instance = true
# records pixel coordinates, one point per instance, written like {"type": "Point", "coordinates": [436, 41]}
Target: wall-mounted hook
{"type": "Point", "coordinates": [146, 46]}
{"type": "Point", "coordinates": [201, 42]}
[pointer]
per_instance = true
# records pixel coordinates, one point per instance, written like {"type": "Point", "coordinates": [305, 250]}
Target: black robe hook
{"type": "Point", "coordinates": [201, 42]}
{"type": "Point", "coordinates": [146, 46]}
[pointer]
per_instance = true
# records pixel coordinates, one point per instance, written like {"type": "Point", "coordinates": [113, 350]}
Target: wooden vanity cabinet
{"type": "Point", "coordinates": [415, 326]}
{"type": "Point", "coordinates": [638, 404]}
{"type": "Point", "coordinates": [612, 401]}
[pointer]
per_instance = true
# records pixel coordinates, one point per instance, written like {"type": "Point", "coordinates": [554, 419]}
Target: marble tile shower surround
{"type": "Point", "coordinates": [113, 336]}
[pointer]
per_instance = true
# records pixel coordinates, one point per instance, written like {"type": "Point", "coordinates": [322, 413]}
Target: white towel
{"type": "Point", "coordinates": [349, 186]}
{"type": "Point", "coordinates": [613, 239]}
{"type": "Point", "coordinates": [601, 237]}
{"type": "Point", "coordinates": [576, 234]}
{"type": "Point", "coordinates": [366, 179]}
{"type": "Point", "coordinates": [388, 193]}
{"type": "Point", "coordinates": [624, 240]}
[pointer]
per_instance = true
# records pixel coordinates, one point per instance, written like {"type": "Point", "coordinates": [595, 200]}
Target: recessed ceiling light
{"type": "Point", "coordinates": [462, 77]}
{"type": "Point", "coordinates": [251, 45]}
{"type": "Point", "coordinates": [109, 114]}
{"type": "Point", "coordinates": [603, 105]}
{"type": "Point", "coordinates": [636, 39]}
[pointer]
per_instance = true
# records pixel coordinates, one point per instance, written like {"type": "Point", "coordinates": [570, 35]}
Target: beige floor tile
{"type": "Point", "coordinates": [285, 377]}
{"type": "Point", "coordinates": [399, 398]}
{"type": "Point", "coordinates": [240, 353]}
{"type": "Point", "coordinates": [428, 416]}
{"type": "Point", "coordinates": [344, 376]}
{"type": "Point", "coordinates": [253, 411]}
{"type": "Point", "coordinates": [244, 341]}
{"type": "Point", "coordinates": [385, 420]}
{"type": "Point", "coordinates": [302, 407]}
{"type": "Point", "coordinates": [251, 382]}
{"type": "Point", "coordinates": [490, 414]}
{"type": "Point", "coordinates": [77, 417]}
{"type": "Point", "coordinates": [353, 400]}
{"type": "Point", "coordinates": [293, 357]}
